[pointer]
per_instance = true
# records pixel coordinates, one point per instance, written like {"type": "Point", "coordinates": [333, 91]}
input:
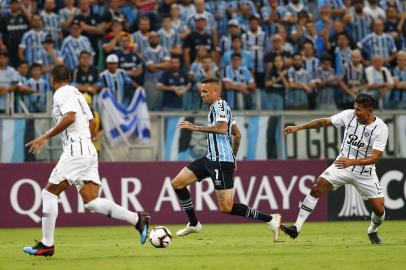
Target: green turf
{"type": "Point", "coordinates": [327, 245]}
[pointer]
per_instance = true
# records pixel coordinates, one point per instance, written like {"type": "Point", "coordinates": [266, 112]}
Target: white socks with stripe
{"type": "Point", "coordinates": [307, 207]}
{"type": "Point", "coordinates": [112, 210]}
{"type": "Point", "coordinates": [49, 214]}
{"type": "Point", "coordinates": [376, 221]}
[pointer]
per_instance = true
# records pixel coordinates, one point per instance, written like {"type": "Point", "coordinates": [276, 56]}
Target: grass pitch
{"type": "Point", "coordinates": [326, 245]}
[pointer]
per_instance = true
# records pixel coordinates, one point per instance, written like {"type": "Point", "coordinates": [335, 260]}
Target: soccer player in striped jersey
{"type": "Point", "coordinates": [73, 45]}
{"type": "Point", "coordinates": [365, 139]}
{"type": "Point", "coordinates": [223, 138]}
{"type": "Point", "coordinates": [38, 99]}
{"type": "Point", "coordinates": [77, 165]}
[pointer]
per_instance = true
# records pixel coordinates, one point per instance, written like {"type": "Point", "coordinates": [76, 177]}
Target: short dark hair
{"type": "Point", "coordinates": [326, 57]}
{"type": "Point", "coordinates": [60, 73]}
{"type": "Point", "coordinates": [36, 65]}
{"type": "Point", "coordinates": [84, 52]}
{"type": "Point", "coordinates": [236, 54]}
{"type": "Point", "coordinates": [22, 62]}
{"type": "Point", "coordinates": [211, 80]}
{"type": "Point", "coordinates": [366, 100]}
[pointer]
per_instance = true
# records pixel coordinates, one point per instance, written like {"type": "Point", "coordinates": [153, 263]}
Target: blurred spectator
{"type": "Point", "coordinates": [219, 10]}
{"type": "Point", "coordinates": [373, 10]}
{"type": "Point", "coordinates": [326, 84]}
{"type": "Point", "coordinates": [173, 84]}
{"type": "Point", "coordinates": [156, 59]}
{"type": "Point", "coordinates": [238, 85]}
{"type": "Point", "coordinates": [397, 97]}
{"type": "Point", "coordinates": [51, 22]}
{"type": "Point", "coordinates": [170, 40]}
{"type": "Point", "coordinates": [236, 47]}
{"type": "Point", "coordinates": [141, 36]}
{"type": "Point", "coordinates": [236, 8]}
{"type": "Point", "coordinates": [67, 15]}
{"type": "Point", "coordinates": [211, 24]}
{"type": "Point", "coordinates": [357, 22]}
{"type": "Point", "coordinates": [353, 82]}
{"type": "Point", "coordinates": [85, 76]}
{"type": "Point", "coordinates": [398, 4]}
{"type": "Point", "coordinates": [311, 63]}
{"type": "Point", "coordinates": [164, 8]}
{"type": "Point", "coordinates": [22, 95]}
{"type": "Point", "coordinates": [31, 44]}
{"type": "Point", "coordinates": [269, 15]}
{"type": "Point", "coordinates": [12, 28]}
{"type": "Point", "coordinates": [312, 35]}
{"type": "Point", "coordinates": [129, 61]}
{"type": "Point", "coordinates": [196, 39]}
{"type": "Point", "coordinates": [289, 14]}
{"type": "Point", "coordinates": [379, 79]}
{"type": "Point", "coordinates": [299, 85]}
{"type": "Point", "coordinates": [244, 18]}
{"type": "Point", "coordinates": [186, 8]}
{"type": "Point", "coordinates": [111, 40]}
{"type": "Point", "coordinates": [198, 63]}
{"type": "Point", "coordinates": [335, 7]}
{"type": "Point", "coordinates": [149, 9]}
{"type": "Point", "coordinates": [178, 25]}
{"type": "Point", "coordinates": [113, 13]}
{"type": "Point", "coordinates": [117, 81]}
{"type": "Point", "coordinates": [379, 43]}
{"type": "Point", "coordinates": [224, 44]}
{"type": "Point", "coordinates": [342, 53]}
{"type": "Point", "coordinates": [50, 57]}
{"type": "Point", "coordinates": [391, 24]}
{"type": "Point", "coordinates": [73, 45]}
{"type": "Point", "coordinates": [331, 41]}
{"type": "Point", "coordinates": [276, 83]}
{"type": "Point", "coordinates": [254, 42]}
{"type": "Point", "coordinates": [277, 49]}
{"type": "Point", "coordinates": [41, 86]}
{"type": "Point", "coordinates": [8, 80]}
{"type": "Point", "coordinates": [29, 7]}
{"type": "Point", "coordinates": [207, 69]}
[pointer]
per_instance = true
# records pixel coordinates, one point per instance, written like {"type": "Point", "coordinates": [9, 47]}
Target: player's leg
{"type": "Point", "coordinates": [49, 214]}
{"type": "Point", "coordinates": [227, 206]}
{"type": "Point", "coordinates": [184, 178]}
{"type": "Point", "coordinates": [90, 195]}
{"type": "Point", "coordinates": [321, 187]}
{"type": "Point", "coordinates": [377, 217]}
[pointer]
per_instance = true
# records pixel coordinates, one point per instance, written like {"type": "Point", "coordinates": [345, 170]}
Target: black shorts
{"type": "Point", "coordinates": [221, 173]}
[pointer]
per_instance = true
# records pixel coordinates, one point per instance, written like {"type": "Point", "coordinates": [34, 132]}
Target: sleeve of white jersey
{"type": "Point", "coordinates": [67, 102]}
{"type": "Point", "coordinates": [381, 140]}
{"type": "Point", "coordinates": [220, 111]}
{"type": "Point", "coordinates": [341, 118]}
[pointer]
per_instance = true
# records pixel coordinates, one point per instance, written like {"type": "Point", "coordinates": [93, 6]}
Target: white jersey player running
{"type": "Point", "coordinates": [364, 141]}
{"type": "Point", "coordinates": [78, 164]}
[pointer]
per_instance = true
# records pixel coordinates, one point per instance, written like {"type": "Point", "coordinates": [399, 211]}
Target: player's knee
{"type": "Point", "coordinates": [316, 191]}
{"type": "Point", "coordinates": [225, 208]}
{"type": "Point", "coordinates": [380, 210]}
{"type": "Point", "coordinates": [93, 205]}
{"type": "Point", "coordinates": [177, 184]}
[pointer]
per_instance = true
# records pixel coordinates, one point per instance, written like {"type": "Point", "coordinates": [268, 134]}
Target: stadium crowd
{"type": "Point", "coordinates": [270, 55]}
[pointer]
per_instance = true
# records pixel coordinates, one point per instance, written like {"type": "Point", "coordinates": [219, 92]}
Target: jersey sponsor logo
{"type": "Point", "coordinates": [353, 140]}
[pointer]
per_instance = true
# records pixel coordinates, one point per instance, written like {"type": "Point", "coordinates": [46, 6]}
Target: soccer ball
{"type": "Point", "coordinates": [160, 237]}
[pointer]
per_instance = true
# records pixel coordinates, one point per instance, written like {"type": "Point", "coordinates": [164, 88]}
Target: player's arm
{"type": "Point", "coordinates": [235, 131]}
{"type": "Point", "coordinates": [316, 123]}
{"type": "Point", "coordinates": [344, 162]}
{"type": "Point", "coordinates": [37, 144]}
{"type": "Point", "coordinates": [219, 128]}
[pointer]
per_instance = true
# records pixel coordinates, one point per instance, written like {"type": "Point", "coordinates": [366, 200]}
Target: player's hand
{"type": "Point", "coordinates": [342, 163]}
{"type": "Point", "coordinates": [37, 144]}
{"type": "Point", "coordinates": [186, 125]}
{"type": "Point", "coordinates": [291, 129]}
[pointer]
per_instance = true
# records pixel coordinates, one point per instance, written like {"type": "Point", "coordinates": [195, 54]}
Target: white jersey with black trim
{"type": "Point", "coordinates": [359, 140]}
{"type": "Point", "coordinates": [76, 139]}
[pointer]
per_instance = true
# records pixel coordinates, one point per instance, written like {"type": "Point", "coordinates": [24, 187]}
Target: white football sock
{"type": "Point", "coordinates": [49, 215]}
{"type": "Point", "coordinates": [309, 203]}
{"type": "Point", "coordinates": [112, 210]}
{"type": "Point", "coordinates": [376, 221]}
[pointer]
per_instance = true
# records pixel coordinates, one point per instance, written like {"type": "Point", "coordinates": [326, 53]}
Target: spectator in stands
{"type": "Point", "coordinates": [178, 25]}
{"type": "Point", "coordinates": [22, 93]}
{"type": "Point", "coordinates": [173, 84]}
{"type": "Point", "coordinates": [378, 42]}
{"type": "Point", "coordinates": [342, 53]}
{"type": "Point", "coordinates": [117, 81]}
{"type": "Point", "coordinates": [391, 24]}
{"type": "Point", "coordinates": [397, 97]}
{"type": "Point", "coordinates": [73, 45]}
{"type": "Point", "coordinates": [50, 57]}
{"type": "Point", "coordinates": [169, 38]}
{"type": "Point", "coordinates": [299, 85]}
{"type": "Point", "coordinates": [373, 10]}
{"type": "Point", "coordinates": [198, 63]}
{"type": "Point", "coordinates": [51, 22]}
{"type": "Point", "coordinates": [379, 79]}
{"type": "Point", "coordinates": [187, 8]}
{"type": "Point", "coordinates": [196, 39]}
{"type": "Point", "coordinates": [12, 28]}
{"type": "Point", "coordinates": [129, 61]}
{"type": "Point", "coordinates": [31, 44]}
{"type": "Point", "coordinates": [353, 82]}
{"type": "Point", "coordinates": [86, 76]}
{"type": "Point", "coordinates": [149, 9]}
{"type": "Point", "coordinates": [41, 86]}
{"type": "Point", "coordinates": [276, 83]}
{"type": "Point", "coordinates": [164, 8]}
{"type": "Point", "coordinates": [289, 14]}
{"type": "Point", "coordinates": [225, 41]}
{"type": "Point", "coordinates": [398, 4]}
{"type": "Point", "coordinates": [312, 35]}
{"type": "Point", "coordinates": [326, 84]}
{"type": "Point", "coordinates": [239, 85]}
{"type": "Point", "coordinates": [141, 36]}
{"type": "Point", "coordinates": [211, 24]}
{"type": "Point", "coordinates": [219, 10]}
{"type": "Point", "coordinates": [114, 13]}
{"type": "Point", "coordinates": [336, 7]}
{"type": "Point", "coordinates": [111, 41]}
{"type": "Point", "coordinates": [310, 62]}
{"type": "Point", "coordinates": [244, 17]}
{"type": "Point", "coordinates": [8, 81]}
{"type": "Point", "coordinates": [277, 49]}
{"type": "Point", "coordinates": [357, 22]}
{"type": "Point", "coordinates": [67, 15]}
{"type": "Point", "coordinates": [236, 47]}
{"type": "Point", "coordinates": [331, 41]}
{"type": "Point", "coordinates": [156, 59]}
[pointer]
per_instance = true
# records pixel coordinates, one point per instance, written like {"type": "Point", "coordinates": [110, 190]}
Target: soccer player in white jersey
{"type": "Point", "coordinates": [364, 141]}
{"type": "Point", "coordinates": [219, 164]}
{"type": "Point", "coordinates": [78, 164]}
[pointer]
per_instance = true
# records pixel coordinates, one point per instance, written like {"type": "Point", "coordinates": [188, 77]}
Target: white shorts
{"type": "Point", "coordinates": [76, 169]}
{"type": "Point", "coordinates": [368, 186]}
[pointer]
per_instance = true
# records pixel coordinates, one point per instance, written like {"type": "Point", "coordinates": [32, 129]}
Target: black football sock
{"type": "Point", "coordinates": [240, 209]}
{"type": "Point", "coordinates": [187, 205]}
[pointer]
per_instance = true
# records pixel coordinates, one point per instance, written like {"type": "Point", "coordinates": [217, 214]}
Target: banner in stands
{"type": "Point", "coordinates": [346, 203]}
{"type": "Point", "coordinates": [270, 186]}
